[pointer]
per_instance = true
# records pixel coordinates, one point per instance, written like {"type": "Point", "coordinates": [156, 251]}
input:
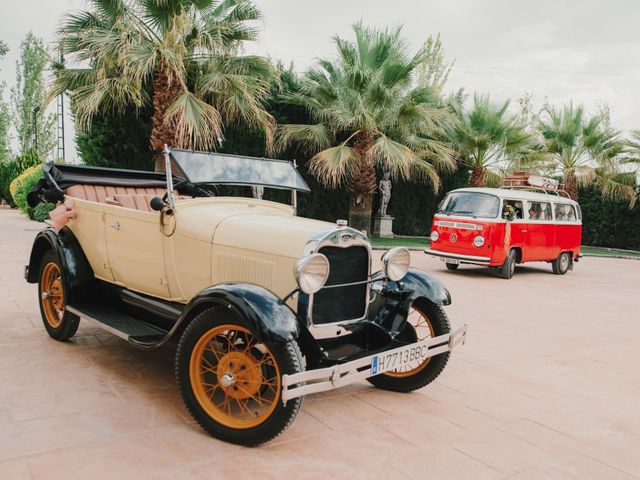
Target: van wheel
{"type": "Point", "coordinates": [231, 380]}
{"type": "Point", "coordinates": [52, 298]}
{"type": "Point", "coordinates": [561, 264]}
{"type": "Point", "coordinates": [509, 266]}
{"type": "Point", "coordinates": [452, 266]}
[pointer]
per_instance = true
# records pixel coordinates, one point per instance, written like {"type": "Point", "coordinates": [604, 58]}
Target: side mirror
{"type": "Point", "coordinates": [156, 204]}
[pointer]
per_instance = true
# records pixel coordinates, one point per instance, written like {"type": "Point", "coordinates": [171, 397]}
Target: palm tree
{"type": "Point", "coordinates": [368, 112]}
{"type": "Point", "coordinates": [490, 141]}
{"type": "Point", "coordinates": [586, 151]}
{"type": "Point", "coordinates": [180, 56]}
{"type": "Point", "coordinates": [632, 148]}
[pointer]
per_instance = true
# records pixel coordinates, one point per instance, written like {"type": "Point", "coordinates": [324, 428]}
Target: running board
{"type": "Point", "coordinates": [133, 330]}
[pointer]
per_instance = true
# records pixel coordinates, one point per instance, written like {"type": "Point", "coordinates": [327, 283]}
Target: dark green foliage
{"type": "Point", "coordinates": [118, 140]}
{"type": "Point", "coordinates": [608, 223]}
{"type": "Point", "coordinates": [8, 171]}
{"type": "Point", "coordinates": [41, 212]}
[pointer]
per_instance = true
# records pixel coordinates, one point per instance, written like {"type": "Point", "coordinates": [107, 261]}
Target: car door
{"type": "Point", "coordinates": [135, 246]}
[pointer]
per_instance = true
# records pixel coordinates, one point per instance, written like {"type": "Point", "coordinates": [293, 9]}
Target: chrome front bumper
{"type": "Point", "coordinates": [330, 378]}
{"type": "Point", "coordinates": [459, 256]}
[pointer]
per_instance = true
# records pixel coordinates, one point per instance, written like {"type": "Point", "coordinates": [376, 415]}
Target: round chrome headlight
{"type": "Point", "coordinates": [312, 272]}
{"type": "Point", "coordinates": [478, 241]}
{"type": "Point", "coordinates": [396, 263]}
{"type": "Point", "coordinates": [434, 236]}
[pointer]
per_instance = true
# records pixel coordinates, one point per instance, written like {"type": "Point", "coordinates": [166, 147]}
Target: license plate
{"type": "Point", "coordinates": [452, 261]}
{"type": "Point", "coordinates": [399, 357]}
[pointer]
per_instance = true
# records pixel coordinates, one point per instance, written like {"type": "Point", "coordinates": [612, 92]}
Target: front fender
{"type": "Point", "coordinates": [77, 270]}
{"type": "Point", "coordinates": [421, 284]}
{"type": "Point", "coordinates": [415, 284]}
{"type": "Point", "coordinates": [270, 317]}
{"type": "Point", "coordinates": [393, 300]}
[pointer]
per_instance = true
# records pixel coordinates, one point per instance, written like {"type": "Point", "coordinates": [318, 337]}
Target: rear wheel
{"type": "Point", "coordinates": [231, 382]}
{"type": "Point", "coordinates": [425, 320]}
{"type": "Point", "coordinates": [561, 264]}
{"type": "Point", "coordinates": [52, 298]}
{"type": "Point", "coordinates": [509, 266]}
{"type": "Point", "coordinates": [452, 266]}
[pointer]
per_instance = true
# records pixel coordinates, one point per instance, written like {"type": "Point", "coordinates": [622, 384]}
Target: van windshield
{"type": "Point", "coordinates": [470, 204]}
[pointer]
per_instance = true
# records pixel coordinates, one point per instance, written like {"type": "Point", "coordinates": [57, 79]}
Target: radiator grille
{"type": "Point", "coordinates": [347, 265]}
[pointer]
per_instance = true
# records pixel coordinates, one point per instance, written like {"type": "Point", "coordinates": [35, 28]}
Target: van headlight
{"type": "Point", "coordinates": [396, 263]}
{"type": "Point", "coordinates": [478, 241]}
{"type": "Point", "coordinates": [434, 236]}
{"type": "Point", "coordinates": [312, 272]}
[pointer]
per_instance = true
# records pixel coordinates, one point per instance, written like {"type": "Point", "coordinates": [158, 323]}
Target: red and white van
{"type": "Point", "coordinates": [500, 227]}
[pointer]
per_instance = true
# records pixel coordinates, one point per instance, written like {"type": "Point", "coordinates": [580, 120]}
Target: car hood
{"type": "Point", "coordinates": [248, 224]}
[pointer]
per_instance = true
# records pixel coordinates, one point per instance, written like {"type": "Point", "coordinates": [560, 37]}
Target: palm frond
{"type": "Point", "coordinates": [310, 138]}
{"type": "Point", "coordinates": [197, 123]}
{"type": "Point", "coordinates": [332, 165]}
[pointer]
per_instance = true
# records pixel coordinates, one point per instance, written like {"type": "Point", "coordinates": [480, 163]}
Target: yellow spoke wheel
{"type": "Point", "coordinates": [59, 323]}
{"type": "Point", "coordinates": [423, 329]}
{"type": "Point", "coordinates": [234, 377]}
{"type": "Point", "coordinates": [52, 295]}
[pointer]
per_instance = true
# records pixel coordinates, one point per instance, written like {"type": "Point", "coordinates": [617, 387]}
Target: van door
{"type": "Point", "coordinates": [541, 232]}
{"type": "Point", "coordinates": [515, 230]}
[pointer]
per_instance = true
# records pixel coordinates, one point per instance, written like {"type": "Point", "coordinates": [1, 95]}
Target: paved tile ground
{"type": "Point", "coordinates": [546, 387]}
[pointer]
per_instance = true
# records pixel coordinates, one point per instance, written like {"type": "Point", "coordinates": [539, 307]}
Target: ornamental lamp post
{"type": "Point", "coordinates": [35, 127]}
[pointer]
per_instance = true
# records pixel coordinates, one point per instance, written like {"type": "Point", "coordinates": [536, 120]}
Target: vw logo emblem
{"type": "Point", "coordinates": [453, 238]}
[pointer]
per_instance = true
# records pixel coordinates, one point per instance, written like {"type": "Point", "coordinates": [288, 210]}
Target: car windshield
{"type": "Point", "coordinates": [470, 204]}
{"type": "Point", "coordinates": [218, 168]}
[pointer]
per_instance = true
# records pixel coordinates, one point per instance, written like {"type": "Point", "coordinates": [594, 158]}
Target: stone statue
{"type": "Point", "coordinates": [385, 194]}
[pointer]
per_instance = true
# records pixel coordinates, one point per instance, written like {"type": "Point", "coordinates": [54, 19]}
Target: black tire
{"type": "Point", "coordinates": [286, 356]}
{"type": "Point", "coordinates": [561, 264]}
{"type": "Point", "coordinates": [52, 299]}
{"type": "Point", "coordinates": [452, 266]}
{"type": "Point", "coordinates": [428, 371]}
{"type": "Point", "coordinates": [509, 266]}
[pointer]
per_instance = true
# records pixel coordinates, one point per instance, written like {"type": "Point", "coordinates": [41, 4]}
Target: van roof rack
{"type": "Point", "coordinates": [534, 183]}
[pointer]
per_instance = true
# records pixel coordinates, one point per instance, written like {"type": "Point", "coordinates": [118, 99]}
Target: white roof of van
{"type": "Point", "coordinates": [519, 194]}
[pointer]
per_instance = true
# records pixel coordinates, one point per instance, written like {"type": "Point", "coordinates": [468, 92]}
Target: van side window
{"type": "Point", "coordinates": [517, 204]}
{"type": "Point", "coordinates": [565, 212]}
{"type": "Point", "coordinates": [540, 211]}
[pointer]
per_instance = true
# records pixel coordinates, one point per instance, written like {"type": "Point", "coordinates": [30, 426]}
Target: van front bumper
{"type": "Point", "coordinates": [458, 256]}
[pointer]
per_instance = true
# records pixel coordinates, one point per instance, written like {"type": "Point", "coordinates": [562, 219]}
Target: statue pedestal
{"type": "Point", "coordinates": [383, 227]}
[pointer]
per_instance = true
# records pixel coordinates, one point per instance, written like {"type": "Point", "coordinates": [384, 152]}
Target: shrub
{"type": "Point", "coordinates": [23, 189]}
{"type": "Point", "coordinates": [11, 169]}
{"type": "Point", "coordinates": [16, 182]}
{"type": "Point", "coordinates": [41, 212]}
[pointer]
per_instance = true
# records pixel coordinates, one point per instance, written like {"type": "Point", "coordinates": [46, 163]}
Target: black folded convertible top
{"type": "Point", "coordinates": [58, 177]}
{"type": "Point", "coordinates": [68, 175]}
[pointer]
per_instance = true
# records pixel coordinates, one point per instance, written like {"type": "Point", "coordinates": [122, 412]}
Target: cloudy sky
{"type": "Point", "coordinates": [583, 51]}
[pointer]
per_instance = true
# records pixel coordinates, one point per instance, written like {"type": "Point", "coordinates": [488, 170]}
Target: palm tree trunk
{"type": "Point", "coordinates": [571, 185]}
{"type": "Point", "coordinates": [478, 175]}
{"type": "Point", "coordinates": [162, 132]}
{"type": "Point", "coordinates": [362, 185]}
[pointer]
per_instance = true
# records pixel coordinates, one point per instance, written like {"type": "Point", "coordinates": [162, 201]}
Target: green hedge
{"type": "Point", "coordinates": [607, 223]}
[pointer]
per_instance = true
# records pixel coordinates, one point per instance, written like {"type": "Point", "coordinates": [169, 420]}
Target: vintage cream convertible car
{"type": "Point", "coordinates": [267, 307]}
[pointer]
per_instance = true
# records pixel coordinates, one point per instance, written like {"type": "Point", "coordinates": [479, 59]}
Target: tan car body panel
{"type": "Point", "coordinates": [216, 240]}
